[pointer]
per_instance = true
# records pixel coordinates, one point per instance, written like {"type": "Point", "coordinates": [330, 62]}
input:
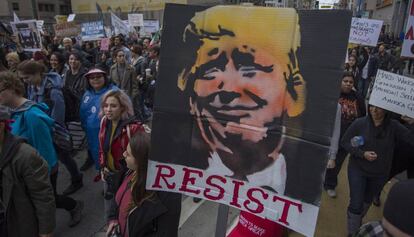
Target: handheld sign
{"type": "Point", "coordinates": [245, 119]}
{"type": "Point", "coordinates": [393, 92]}
{"type": "Point", "coordinates": [136, 19]}
{"type": "Point", "coordinates": [105, 44]}
{"type": "Point", "coordinates": [365, 31]}
{"type": "Point", "coordinates": [92, 30]}
{"type": "Point", "coordinates": [28, 34]}
{"type": "Point", "coordinates": [408, 44]}
{"type": "Point", "coordinates": [67, 29]}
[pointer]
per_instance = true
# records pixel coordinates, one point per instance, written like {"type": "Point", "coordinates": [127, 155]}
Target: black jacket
{"type": "Point", "coordinates": [158, 217]}
{"type": "Point", "coordinates": [382, 140]}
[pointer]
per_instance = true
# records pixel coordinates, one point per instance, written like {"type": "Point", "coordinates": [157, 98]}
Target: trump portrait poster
{"type": "Point", "coordinates": [245, 105]}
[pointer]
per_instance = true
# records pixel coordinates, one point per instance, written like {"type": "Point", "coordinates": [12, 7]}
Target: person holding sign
{"type": "Point", "coordinates": [371, 141]}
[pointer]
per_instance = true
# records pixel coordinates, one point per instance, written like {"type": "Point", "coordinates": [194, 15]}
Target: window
{"type": "Point", "coordinates": [64, 9]}
{"type": "Point", "coordinates": [43, 7]}
{"type": "Point", "coordinates": [15, 6]}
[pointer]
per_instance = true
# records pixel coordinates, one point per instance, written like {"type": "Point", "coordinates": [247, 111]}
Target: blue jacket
{"type": "Point", "coordinates": [32, 122]}
{"type": "Point", "coordinates": [89, 114]}
{"type": "Point", "coordinates": [52, 85]}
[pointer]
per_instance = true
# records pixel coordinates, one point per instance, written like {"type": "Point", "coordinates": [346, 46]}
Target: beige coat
{"type": "Point", "coordinates": [127, 82]}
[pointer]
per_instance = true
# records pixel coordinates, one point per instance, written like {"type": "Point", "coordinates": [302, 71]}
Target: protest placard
{"type": "Point", "coordinates": [151, 26]}
{"type": "Point", "coordinates": [71, 17]}
{"type": "Point", "coordinates": [119, 27]}
{"type": "Point", "coordinates": [365, 31]}
{"type": "Point", "coordinates": [408, 44]}
{"type": "Point", "coordinates": [67, 29]}
{"type": "Point", "coordinates": [136, 19]}
{"type": "Point", "coordinates": [28, 34]}
{"type": "Point", "coordinates": [393, 92]}
{"type": "Point", "coordinates": [105, 44]}
{"type": "Point", "coordinates": [61, 19]}
{"type": "Point", "coordinates": [257, 140]}
{"type": "Point", "coordinates": [92, 30]}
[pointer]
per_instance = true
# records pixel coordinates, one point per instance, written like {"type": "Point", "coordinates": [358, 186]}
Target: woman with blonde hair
{"type": "Point", "coordinates": [118, 124]}
{"type": "Point", "coordinates": [13, 60]}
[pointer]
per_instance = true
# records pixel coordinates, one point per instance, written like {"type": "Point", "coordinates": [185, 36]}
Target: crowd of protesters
{"type": "Point", "coordinates": [103, 100]}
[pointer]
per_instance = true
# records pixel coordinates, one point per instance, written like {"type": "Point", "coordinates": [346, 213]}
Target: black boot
{"type": "Point", "coordinates": [74, 186]}
{"type": "Point", "coordinates": [76, 214]}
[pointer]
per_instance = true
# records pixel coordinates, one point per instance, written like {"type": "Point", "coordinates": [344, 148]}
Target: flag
{"type": "Point", "coordinates": [15, 17]}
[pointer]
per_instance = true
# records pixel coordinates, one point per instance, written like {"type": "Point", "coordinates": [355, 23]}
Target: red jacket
{"type": "Point", "coordinates": [119, 141]}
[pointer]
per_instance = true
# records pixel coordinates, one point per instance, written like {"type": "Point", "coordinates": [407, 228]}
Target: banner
{"type": "Point", "coordinates": [28, 34]}
{"type": "Point", "coordinates": [131, 6]}
{"type": "Point", "coordinates": [151, 26]}
{"type": "Point", "coordinates": [393, 92]}
{"type": "Point", "coordinates": [245, 119]}
{"type": "Point", "coordinates": [105, 44]}
{"type": "Point", "coordinates": [408, 44]}
{"type": "Point", "coordinates": [67, 29]}
{"type": "Point", "coordinates": [92, 30]}
{"type": "Point", "coordinates": [119, 27]}
{"type": "Point", "coordinates": [365, 31]}
{"type": "Point", "coordinates": [136, 19]}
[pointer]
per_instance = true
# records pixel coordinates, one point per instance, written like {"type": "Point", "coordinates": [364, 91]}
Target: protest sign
{"type": "Point", "coordinates": [71, 17]}
{"type": "Point", "coordinates": [67, 29]}
{"type": "Point", "coordinates": [119, 27]}
{"type": "Point", "coordinates": [393, 92]}
{"type": "Point", "coordinates": [365, 31]}
{"type": "Point", "coordinates": [408, 44]}
{"type": "Point", "coordinates": [61, 19]}
{"type": "Point", "coordinates": [136, 19]}
{"type": "Point", "coordinates": [28, 34]}
{"type": "Point", "coordinates": [92, 30]}
{"type": "Point", "coordinates": [245, 119]}
{"type": "Point", "coordinates": [105, 44]}
{"type": "Point", "coordinates": [151, 26]}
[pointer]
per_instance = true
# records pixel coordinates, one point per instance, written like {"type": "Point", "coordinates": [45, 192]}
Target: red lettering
{"type": "Point", "coordinates": [187, 179]}
{"type": "Point", "coordinates": [287, 204]}
{"type": "Point", "coordinates": [163, 176]}
{"type": "Point", "coordinates": [250, 196]}
{"type": "Point", "coordinates": [234, 201]}
{"type": "Point", "coordinates": [410, 34]}
{"type": "Point", "coordinates": [221, 189]}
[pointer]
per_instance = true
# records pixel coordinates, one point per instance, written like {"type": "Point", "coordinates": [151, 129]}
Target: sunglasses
{"type": "Point", "coordinates": [97, 77]}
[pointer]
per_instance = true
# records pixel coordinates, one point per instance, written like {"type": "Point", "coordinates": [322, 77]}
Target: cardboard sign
{"type": "Point", "coordinates": [119, 27]}
{"type": "Point", "coordinates": [393, 92]}
{"type": "Point", "coordinates": [136, 19]}
{"type": "Point", "coordinates": [105, 44]}
{"type": "Point", "coordinates": [245, 119]}
{"type": "Point", "coordinates": [151, 26]}
{"type": "Point", "coordinates": [92, 30]}
{"type": "Point", "coordinates": [61, 19]}
{"type": "Point", "coordinates": [67, 29]}
{"type": "Point", "coordinates": [408, 44]}
{"type": "Point", "coordinates": [28, 34]}
{"type": "Point", "coordinates": [365, 31]}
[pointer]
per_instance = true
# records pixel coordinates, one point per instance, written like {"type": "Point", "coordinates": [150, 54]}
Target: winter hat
{"type": "Point", "coordinates": [4, 113]}
{"type": "Point", "coordinates": [399, 207]}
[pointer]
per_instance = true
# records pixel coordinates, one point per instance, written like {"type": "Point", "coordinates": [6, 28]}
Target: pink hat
{"type": "Point", "coordinates": [95, 71]}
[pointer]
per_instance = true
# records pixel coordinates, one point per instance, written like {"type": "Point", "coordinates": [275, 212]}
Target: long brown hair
{"type": "Point", "coordinates": [140, 146]}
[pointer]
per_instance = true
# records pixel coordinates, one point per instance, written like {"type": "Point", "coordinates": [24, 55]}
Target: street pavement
{"type": "Point", "coordinates": [199, 219]}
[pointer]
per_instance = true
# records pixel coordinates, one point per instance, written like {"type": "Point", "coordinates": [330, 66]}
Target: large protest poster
{"type": "Point", "coordinates": [408, 44]}
{"type": "Point", "coordinates": [67, 29]}
{"type": "Point", "coordinates": [244, 110]}
{"type": "Point", "coordinates": [393, 92]}
{"type": "Point", "coordinates": [119, 27]}
{"type": "Point", "coordinates": [28, 34]}
{"type": "Point", "coordinates": [92, 30]}
{"type": "Point", "coordinates": [365, 31]}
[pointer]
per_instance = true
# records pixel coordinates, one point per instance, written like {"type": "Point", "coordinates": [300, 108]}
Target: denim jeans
{"type": "Point", "coordinates": [331, 176]}
{"type": "Point", "coordinates": [362, 189]}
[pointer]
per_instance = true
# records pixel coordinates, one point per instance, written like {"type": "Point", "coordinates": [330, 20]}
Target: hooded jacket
{"type": "Point", "coordinates": [381, 140]}
{"type": "Point", "coordinates": [50, 93]}
{"type": "Point", "coordinates": [120, 140]}
{"type": "Point", "coordinates": [32, 123]}
{"type": "Point", "coordinates": [89, 115]}
{"type": "Point", "coordinates": [26, 191]}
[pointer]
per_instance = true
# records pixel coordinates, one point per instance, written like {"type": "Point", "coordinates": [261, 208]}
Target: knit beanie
{"type": "Point", "coordinates": [399, 207]}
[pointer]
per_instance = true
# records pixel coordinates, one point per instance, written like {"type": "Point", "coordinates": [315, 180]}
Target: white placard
{"type": "Point", "coordinates": [71, 17]}
{"type": "Point", "coordinates": [119, 26]}
{"type": "Point", "coordinates": [365, 31]}
{"type": "Point", "coordinates": [393, 92]}
{"type": "Point", "coordinates": [151, 26]}
{"type": "Point", "coordinates": [136, 19]}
